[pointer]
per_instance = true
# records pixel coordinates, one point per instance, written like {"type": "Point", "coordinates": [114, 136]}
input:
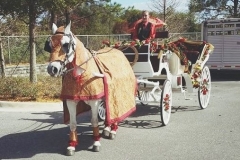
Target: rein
{"type": "Point", "coordinates": [93, 53]}
{"type": "Point", "coordinates": [78, 65]}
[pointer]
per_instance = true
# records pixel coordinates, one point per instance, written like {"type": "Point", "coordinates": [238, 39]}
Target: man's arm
{"type": "Point", "coordinates": [152, 33]}
{"type": "Point", "coordinates": [135, 33]}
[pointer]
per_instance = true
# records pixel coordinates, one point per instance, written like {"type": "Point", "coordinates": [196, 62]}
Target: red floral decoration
{"type": "Point", "coordinates": [204, 88]}
{"type": "Point", "coordinates": [166, 100]}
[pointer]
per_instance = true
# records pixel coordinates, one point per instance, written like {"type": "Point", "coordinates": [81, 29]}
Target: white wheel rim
{"type": "Point", "coordinates": [205, 96]}
{"type": "Point", "coordinates": [166, 112]}
{"type": "Point", "coordinates": [101, 110]}
{"type": "Point", "coordinates": [144, 97]}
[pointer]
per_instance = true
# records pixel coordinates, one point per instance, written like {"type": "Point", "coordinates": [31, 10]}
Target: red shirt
{"type": "Point", "coordinates": [151, 34]}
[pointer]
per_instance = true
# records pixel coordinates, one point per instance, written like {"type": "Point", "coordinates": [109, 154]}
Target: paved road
{"type": "Point", "coordinates": [192, 134]}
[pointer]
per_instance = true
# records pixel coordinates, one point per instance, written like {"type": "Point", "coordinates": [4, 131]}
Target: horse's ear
{"type": "Point", "coordinates": [54, 28]}
{"type": "Point", "coordinates": [67, 29]}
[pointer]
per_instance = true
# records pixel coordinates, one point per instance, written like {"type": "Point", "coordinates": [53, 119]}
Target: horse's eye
{"type": "Point", "coordinates": [65, 47]}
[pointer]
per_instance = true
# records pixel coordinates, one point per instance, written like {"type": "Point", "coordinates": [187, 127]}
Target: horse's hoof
{"type": "Point", "coordinates": [70, 152]}
{"type": "Point", "coordinates": [96, 148]}
{"type": "Point", "coordinates": [105, 133]}
{"type": "Point", "coordinates": [112, 136]}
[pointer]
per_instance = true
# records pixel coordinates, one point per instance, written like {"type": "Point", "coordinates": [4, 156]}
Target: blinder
{"type": "Point", "coordinates": [47, 46]}
{"type": "Point", "coordinates": [66, 47]}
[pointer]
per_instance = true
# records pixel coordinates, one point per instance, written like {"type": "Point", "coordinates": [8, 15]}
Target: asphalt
{"type": "Point", "coordinates": [10, 106]}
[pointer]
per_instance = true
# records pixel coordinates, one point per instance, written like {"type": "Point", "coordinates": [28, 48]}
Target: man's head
{"type": "Point", "coordinates": [145, 16]}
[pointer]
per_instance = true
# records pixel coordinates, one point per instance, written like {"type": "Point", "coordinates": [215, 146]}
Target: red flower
{"type": "Point", "coordinates": [147, 41]}
{"type": "Point", "coordinates": [117, 45]}
{"type": "Point", "coordinates": [133, 43]}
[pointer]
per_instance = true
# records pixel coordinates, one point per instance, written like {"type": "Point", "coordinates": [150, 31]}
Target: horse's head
{"type": "Point", "coordinates": [61, 46]}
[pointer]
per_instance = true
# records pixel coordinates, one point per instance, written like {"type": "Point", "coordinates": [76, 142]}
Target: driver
{"type": "Point", "coordinates": [145, 30]}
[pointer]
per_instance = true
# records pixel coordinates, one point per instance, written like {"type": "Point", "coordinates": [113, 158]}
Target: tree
{"type": "Point", "coordinates": [177, 22]}
{"type": "Point", "coordinates": [29, 11]}
{"type": "Point", "coordinates": [211, 9]}
{"type": "Point", "coordinates": [2, 61]}
{"type": "Point", "coordinates": [164, 8]}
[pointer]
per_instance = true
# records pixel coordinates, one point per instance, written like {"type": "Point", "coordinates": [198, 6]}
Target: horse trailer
{"type": "Point", "coordinates": [224, 35]}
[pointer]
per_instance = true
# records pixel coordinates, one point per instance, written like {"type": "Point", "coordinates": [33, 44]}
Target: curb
{"type": "Point", "coordinates": [9, 106]}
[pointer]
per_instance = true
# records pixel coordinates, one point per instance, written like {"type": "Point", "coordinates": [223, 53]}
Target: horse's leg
{"type": "Point", "coordinates": [110, 130]}
{"type": "Point", "coordinates": [73, 138]}
{"type": "Point", "coordinates": [94, 122]}
{"type": "Point", "coordinates": [106, 130]}
{"type": "Point", "coordinates": [113, 132]}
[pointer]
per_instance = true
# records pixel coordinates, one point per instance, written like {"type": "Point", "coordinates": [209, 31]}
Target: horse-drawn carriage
{"type": "Point", "coordinates": [170, 65]}
{"type": "Point", "coordinates": [91, 80]}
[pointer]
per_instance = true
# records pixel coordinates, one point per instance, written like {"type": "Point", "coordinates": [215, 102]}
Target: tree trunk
{"type": "Point", "coordinates": [32, 21]}
{"type": "Point", "coordinates": [67, 15]}
{"type": "Point", "coordinates": [53, 19]}
{"type": "Point", "coordinates": [2, 61]}
{"type": "Point", "coordinates": [235, 9]}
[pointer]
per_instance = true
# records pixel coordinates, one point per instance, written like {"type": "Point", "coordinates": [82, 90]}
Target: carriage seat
{"type": "Point", "coordinates": [147, 64]}
{"type": "Point", "coordinates": [159, 34]}
{"type": "Point", "coordinates": [162, 34]}
{"type": "Point", "coordinates": [193, 50]}
{"type": "Point", "coordinates": [143, 66]}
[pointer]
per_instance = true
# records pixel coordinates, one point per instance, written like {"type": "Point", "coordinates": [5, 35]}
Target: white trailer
{"type": "Point", "coordinates": [224, 35]}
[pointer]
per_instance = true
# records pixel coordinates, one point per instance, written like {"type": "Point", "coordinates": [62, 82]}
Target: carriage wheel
{"type": "Point", "coordinates": [101, 111]}
{"type": "Point", "coordinates": [204, 88]}
{"type": "Point", "coordinates": [166, 102]}
{"type": "Point", "coordinates": [144, 96]}
{"type": "Point", "coordinates": [122, 48]}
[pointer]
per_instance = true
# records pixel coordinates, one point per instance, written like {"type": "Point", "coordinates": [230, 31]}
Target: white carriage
{"type": "Point", "coordinates": [159, 73]}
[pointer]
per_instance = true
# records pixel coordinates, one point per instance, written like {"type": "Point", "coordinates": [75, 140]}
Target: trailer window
{"type": "Point", "coordinates": [219, 26]}
{"type": "Point", "coordinates": [228, 32]}
{"type": "Point", "coordinates": [237, 25]}
{"type": "Point", "coordinates": [229, 25]}
{"type": "Point", "coordinates": [219, 33]}
{"type": "Point", "coordinates": [210, 33]}
{"type": "Point", "coordinates": [237, 32]}
{"type": "Point", "coordinates": [211, 26]}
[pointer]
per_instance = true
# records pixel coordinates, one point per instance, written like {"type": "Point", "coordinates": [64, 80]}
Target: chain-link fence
{"type": "Point", "coordinates": [16, 48]}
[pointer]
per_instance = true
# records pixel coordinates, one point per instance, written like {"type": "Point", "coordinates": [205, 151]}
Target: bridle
{"type": "Point", "coordinates": [71, 43]}
{"type": "Point", "coordinates": [66, 48]}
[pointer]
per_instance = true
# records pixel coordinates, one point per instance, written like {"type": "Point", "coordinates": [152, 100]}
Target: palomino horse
{"type": "Point", "coordinates": [88, 77]}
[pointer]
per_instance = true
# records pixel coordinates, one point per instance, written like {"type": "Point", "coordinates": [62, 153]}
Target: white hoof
{"type": "Point", "coordinates": [96, 146]}
{"type": "Point", "coordinates": [70, 151]}
{"type": "Point", "coordinates": [112, 135]}
{"type": "Point", "coordinates": [106, 132]}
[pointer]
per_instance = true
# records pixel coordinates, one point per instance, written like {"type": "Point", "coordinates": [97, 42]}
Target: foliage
{"type": "Point", "coordinates": [19, 88]}
{"type": "Point", "coordinates": [177, 22]}
{"type": "Point", "coordinates": [211, 9]}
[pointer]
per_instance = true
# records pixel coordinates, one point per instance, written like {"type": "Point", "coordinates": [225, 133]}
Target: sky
{"type": "Point", "coordinates": [144, 4]}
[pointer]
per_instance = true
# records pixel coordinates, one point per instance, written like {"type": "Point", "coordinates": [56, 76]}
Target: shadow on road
{"type": "Point", "coordinates": [43, 137]}
{"type": "Point", "coordinates": [28, 144]}
{"type": "Point", "coordinates": [225, 75]}
{"type": "Point", "coordinates": [146, 111]}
